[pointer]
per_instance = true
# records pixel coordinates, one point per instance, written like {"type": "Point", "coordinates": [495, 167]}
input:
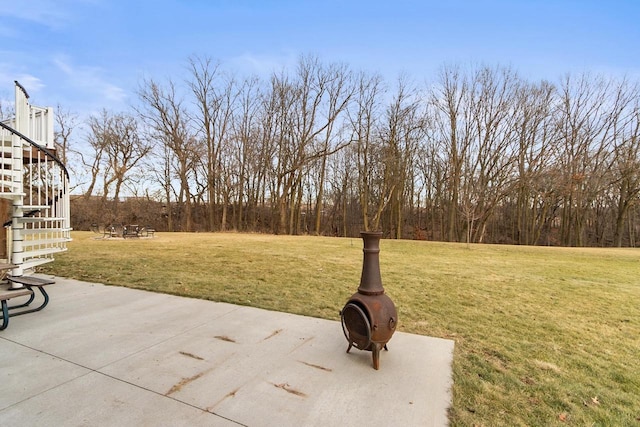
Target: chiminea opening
{"type": "Point", "coordinates": [358, 331]}
{"type": "Point", "coordinates": [369, 318]}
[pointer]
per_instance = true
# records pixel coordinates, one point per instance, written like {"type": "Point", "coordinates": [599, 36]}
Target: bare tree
{"type": "Point", "coordinates": [6, 108]}
{"type": "Point", "coordinates": [400, 137]}
{"type": "Point", "coordinates": [66, 122]}
{"type": "Point", "coordinates": [585, 130]}
{"type": "Point", "coordinates": [493, 150]}
{"type": "Point", "coordinates": [299, 119]}
{"type": "Point", "coordinates": [535, 132]}
{"type": "Point", "coordinates": [339, 93]}
{"type": "Point", "coordinates": [168, 121]}
{"type": "Point", "coordinates": [431, 167]}
{"type": "Point", "coordinates": [116, 137]}
{"type": "Point", "coordinates": [246, 148]}
{"type": "Point", "coordinates": [215, 96]}
{"type": "Point", "coordinates": [98, 140]}
{"type": "Point", "coordinates": [364, 120]}
{"type": "Point", "coordinates": [204, 73]}
{"type": "Point", "coordinates": [626, 157]}
{"type": "Point", "coordinates": [452, 108]}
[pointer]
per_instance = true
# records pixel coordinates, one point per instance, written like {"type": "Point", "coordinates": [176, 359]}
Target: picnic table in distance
{"type": "Point", "coordinates": [123, 231]}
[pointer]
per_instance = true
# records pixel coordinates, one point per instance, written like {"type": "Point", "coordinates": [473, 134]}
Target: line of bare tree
{"type": "Point", "coordinates": [475, 155]}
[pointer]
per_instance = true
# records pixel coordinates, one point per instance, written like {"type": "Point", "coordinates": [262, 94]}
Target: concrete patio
{"type": "Point", "coordinates": [101, 355]}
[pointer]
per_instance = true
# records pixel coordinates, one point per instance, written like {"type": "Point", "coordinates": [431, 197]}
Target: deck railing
{"type": "Point", "coordinates": [37, 182]}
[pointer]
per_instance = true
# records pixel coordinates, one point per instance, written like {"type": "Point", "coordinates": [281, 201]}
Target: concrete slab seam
{"type": "Point", "coordinates": [97, 371]}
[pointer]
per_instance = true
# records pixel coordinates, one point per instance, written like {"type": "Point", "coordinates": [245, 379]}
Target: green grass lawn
{"type": "Point", "coordinates": [544, 336]}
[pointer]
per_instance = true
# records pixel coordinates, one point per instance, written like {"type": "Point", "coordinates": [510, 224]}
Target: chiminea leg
{"type": "Point", "coordinates": [350, 345]}
{"type": "Point", "coordinates": [376, 356]}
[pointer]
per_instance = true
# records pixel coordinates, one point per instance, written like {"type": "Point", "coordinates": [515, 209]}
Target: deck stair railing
{"type": "Point", "coordinates": [36, 183]}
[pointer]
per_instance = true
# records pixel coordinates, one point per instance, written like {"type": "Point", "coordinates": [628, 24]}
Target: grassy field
{"type": "Point", "coordinates": [544, 336]}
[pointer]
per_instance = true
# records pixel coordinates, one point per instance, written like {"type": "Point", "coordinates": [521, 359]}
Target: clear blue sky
{"type": "Point", "coordinates": [90, 54]}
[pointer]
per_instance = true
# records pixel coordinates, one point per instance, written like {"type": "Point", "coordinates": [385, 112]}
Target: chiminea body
{"type": "Point", "coordinates": [369, 317]}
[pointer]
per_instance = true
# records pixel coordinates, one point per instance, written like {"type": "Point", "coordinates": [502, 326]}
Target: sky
{"type": "Point", "coordinates": [86, 55]}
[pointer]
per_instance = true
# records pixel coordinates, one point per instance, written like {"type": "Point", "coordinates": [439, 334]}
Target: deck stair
{"type": "Point", "coordinates": [34, 187]}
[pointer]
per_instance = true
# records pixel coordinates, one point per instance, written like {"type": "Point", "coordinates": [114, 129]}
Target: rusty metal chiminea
{"type": "Point", "coordinates": [369, 318]}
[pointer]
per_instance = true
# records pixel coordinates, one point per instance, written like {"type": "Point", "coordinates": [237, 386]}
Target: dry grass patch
{"type": "Point", "coordinates": [544, 336]}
